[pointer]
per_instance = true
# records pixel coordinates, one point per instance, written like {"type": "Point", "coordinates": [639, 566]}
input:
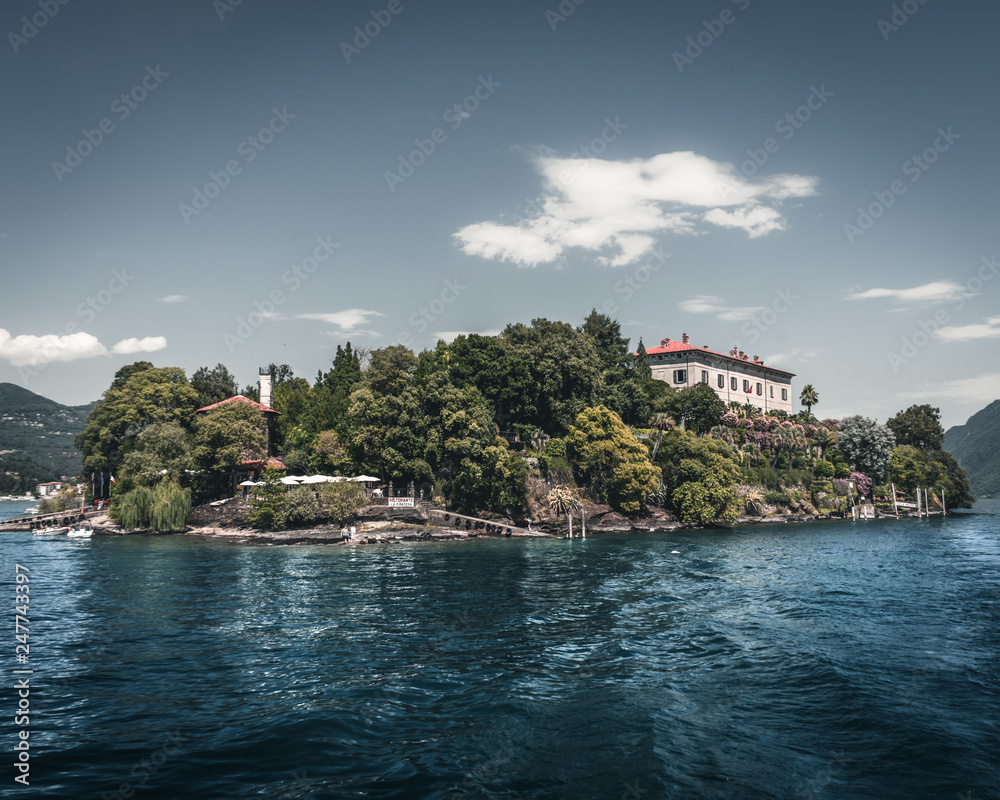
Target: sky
{"type": "Point", "coordinates": [200, 182]}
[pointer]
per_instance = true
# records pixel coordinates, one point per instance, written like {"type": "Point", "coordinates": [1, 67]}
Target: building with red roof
{"type": "Point", "coordinates": [733, 375]}
{"type": "Point", "coordinates": [268, 418]}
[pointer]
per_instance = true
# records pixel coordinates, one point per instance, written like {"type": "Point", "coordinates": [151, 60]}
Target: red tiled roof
{"type": "Point", "coordinates": [677, 346]}
{"type": "Point", "coordinates": [271, 462]}
{"type": "Point", "coordinates": [240, 399]}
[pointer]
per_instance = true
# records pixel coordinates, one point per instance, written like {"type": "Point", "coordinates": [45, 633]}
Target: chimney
{"type": "Point", "coordinates": [664, 342]}
{"type": "Point", "coordinates": [684, 338]}
{"type": "Point", "coordinates": [264, 384]}
{"type": "Point", "coordinates": [741, 354]}
{"type": "Point", "coordinates": [756, 359]}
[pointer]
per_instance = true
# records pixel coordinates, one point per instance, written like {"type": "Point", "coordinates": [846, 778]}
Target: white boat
{"type": "Point", "coordinates": [81, 531]}
{"type": "Point", "coordinates": [51, 530]}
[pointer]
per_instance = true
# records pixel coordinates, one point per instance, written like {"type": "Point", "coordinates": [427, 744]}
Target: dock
{"type": "Point", "coordinates": [490, 527]}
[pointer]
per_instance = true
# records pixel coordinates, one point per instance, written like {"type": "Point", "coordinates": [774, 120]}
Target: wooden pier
{"type": "Point", "coordinates": [486, 526]}
{"type": "Point", "coordinates": [34, 521]}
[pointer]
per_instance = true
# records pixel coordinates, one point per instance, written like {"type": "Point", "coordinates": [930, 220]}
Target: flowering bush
{"type": "Point", "coordinates": [745, 423]}
{"type": "Point", "coordinates": [761, 423]}
{"type": "Point", "coordinates": [831, 424]}
{"type": "Point", "coordinates": [863, 482]}
{"type": "Point", "coordinates": [729, 418]}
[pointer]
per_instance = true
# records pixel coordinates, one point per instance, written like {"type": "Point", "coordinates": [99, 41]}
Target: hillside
{"type": "Point", "coordinates": [35, 428]}
{"type": "Point", "coordinates": [976, 445]}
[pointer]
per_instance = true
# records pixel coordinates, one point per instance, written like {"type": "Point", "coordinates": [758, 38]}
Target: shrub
{"type": "Point", "coordinates": [301, 508]}
{"type": "Point", "coordinates": [556, 448]}
{"type": "Point", "coordinates": [823, 469]}
{"type": "Point", "coordinates": [339, 502]}
{"type": "Point", "coordinates": [170, 508]}
{"type": "Point", "coordinates": [841, 470]}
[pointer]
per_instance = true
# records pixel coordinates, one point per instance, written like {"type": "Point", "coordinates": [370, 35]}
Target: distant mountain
{"type": "Point", "coordinates": [976, 445]}
{"type": "Point", "coordinates": [36, 429]}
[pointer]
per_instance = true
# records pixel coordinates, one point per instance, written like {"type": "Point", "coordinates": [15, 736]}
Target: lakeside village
{"type": "Point", "coordinates": [531, 432]}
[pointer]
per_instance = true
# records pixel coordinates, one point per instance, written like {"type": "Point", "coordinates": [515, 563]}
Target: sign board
{"type": "Point", "coordinates": [400, 502]}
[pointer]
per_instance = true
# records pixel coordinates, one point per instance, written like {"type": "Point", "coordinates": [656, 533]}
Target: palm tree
{"type": "Point", "coordinates": [563, 501]}
{"type": "Point", "coordinates": [824, 438]}
{"type": "Point", "coordinates": [809, 397]}
{"type": "Point", "coordinates": [539, 440]}
{"type": "Point", "coordinates": [662, 422]}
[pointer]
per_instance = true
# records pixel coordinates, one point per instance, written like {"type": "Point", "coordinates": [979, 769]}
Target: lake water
{"type": "Point", "coordinates": [839, 660]}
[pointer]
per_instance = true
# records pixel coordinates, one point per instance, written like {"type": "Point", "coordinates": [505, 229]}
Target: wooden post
{"type": "Point", "coordinates": [894, 506]}
{"type": "Point", "coordinates": [927, 504]}
{"type": "Point", "coordinates": [918, 502]}
{"type": "Point", "coordinates": [944, 508]}
{"type": "Point", "coordinates": [583, 523]}
{"type": "Point", "coordinates": [570, 523]}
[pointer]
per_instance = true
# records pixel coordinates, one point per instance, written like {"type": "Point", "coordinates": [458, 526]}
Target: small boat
{"type": "Point", "coordinates": [51, 530]}
{"type": "Point", "coordinates": [81, 531]}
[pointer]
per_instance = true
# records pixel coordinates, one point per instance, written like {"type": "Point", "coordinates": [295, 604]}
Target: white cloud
{"type": "Point", "coordinates": [983, 389]}
{"type": "Point", "coordinates": [31, 351]}
{"type": "Point", "coordinates": [617, 207]}
{"type": "Point", "coordinates": [927, 294]}
{"type": "Point", "coordinates": [796, 355]}
{"type": "Point", "coordinates": [174, 298]}
{"type": "Point", "coordinates": [709, 304]}
{"type": "Point", "coordinates": [149, 344]}
{"type": "Point", "coordinates": [990, 329]}
{"type": "Point", "coordinates": [347, 320]}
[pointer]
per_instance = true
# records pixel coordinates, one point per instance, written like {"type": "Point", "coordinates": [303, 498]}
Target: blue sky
{"type": "Point", "coordinates": [199, 182]}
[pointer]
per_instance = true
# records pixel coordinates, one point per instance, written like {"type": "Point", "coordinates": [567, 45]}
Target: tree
{"type": "Point", "coordinates": [641, 368]}
{"type": "Point", "coordinates": [809, 397]}
{"type": "Point", "coordinates": [606, 334]}
{"type": "Point", "coordinates": [661, 422]}
{"type": "Point", "coordinates": [699, 408]}
{"type": "Point", "coordinates": [912, 468]}
{"type": "Point", "coordinates": [866, 445]}
{"type": "Point", "coordinates": [499, 373]}
{"type": "Point", "coordinates": [340, 502]}
{"type": "Point", "coordinates": [700, 476]}
{"type": "Point", "coordinates": [919, 426]}
{"type": "Point", "coordinates": [608, 458]}
{"type": "Point", "coordinates": [229, 435]}
{"type": "Point", "coordinates": [162, 449]}
{"type": "Point", "coordinates": [391, 370]}
{"type": "Point", "coordinates": [824, 438]}
{"type": "Point", "coordinates": [268, 500]}
{"type": "Point", "coordinates": [213, 385]}
{"type": "Point", "coordinates": [140, 395]}
{"type": "Point", "coordinates": [300, 508]}
{"type": "Point", "coordinates": [562, 500]}
{"type": "Point", "coordinates": [328, 456]}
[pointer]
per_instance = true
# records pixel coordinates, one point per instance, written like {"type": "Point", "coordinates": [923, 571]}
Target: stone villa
{"type": "Point", "coordinates": [733, 376]}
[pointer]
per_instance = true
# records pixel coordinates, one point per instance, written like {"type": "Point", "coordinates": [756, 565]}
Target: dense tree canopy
{"type": "Point", "coordinates": [919, 426]}
{"type": "Point", "coordinates": [866, 445]}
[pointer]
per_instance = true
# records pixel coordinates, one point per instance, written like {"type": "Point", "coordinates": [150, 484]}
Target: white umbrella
{"type": "Point", "coordinates": [248, 483]}
{"type": "Point", "coordinates": [290, 480]}
{"type": "Point", "coordinates": [365, 479]}
{"type": "Point", "coordinates": [317, 479]}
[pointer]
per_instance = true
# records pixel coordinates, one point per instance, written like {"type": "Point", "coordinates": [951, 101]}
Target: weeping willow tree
{"type": "Point", "coordinates": [131, 509]}
{"type": "Point", "coordinates": [164, 508]}
{"type": "Point", "coordinates": [171, 506]}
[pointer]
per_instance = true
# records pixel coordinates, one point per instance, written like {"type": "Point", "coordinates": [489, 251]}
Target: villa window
{"type": "Point", "coordinates": [760, 389]}
{"type": "Point", "coordinates": [732, 384]}
{"type": "Point", "coordinates": [772, 392]}
{"type": "Point", "coordinates": [784, 394]}
{"type": "Point", "coordinates": [746, 386]}
{"type": "Point", "coordinates": [722, 381]}
{"type": "Point", "coordinates": [704, 376]}
{"type": "Point", "coordinates": [680, 376]}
